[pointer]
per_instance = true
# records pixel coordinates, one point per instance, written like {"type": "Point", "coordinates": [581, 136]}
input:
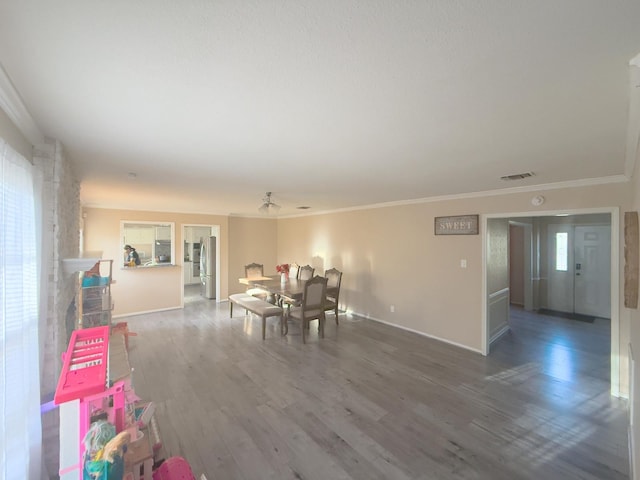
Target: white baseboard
{"type": "Point", "coordinates": [402, 327]}
{"type": "Point", "coordinates": [498, 335]}
{"type": "Point", "coordinates": [133, 314]}
{"type": "Point", "coordinates": [633, 472]}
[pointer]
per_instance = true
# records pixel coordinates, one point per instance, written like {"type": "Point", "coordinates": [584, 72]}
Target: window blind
{"type": "Point", "coordinates": [20, 425]}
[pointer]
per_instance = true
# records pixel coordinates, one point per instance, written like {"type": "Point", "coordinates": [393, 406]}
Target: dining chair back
{"type": "Point", "coordinates": [306, 272]}
{"type": "Point", "coordinates": [294, 273]}
{"type": "Point", "coordinates": [255, 270]}
{"type": "Point", "coordinates": [312, 306]}
{"type": "Point", "coordinates": [294, 269]}
{"type": "Point", "coordinates": [334, 279]}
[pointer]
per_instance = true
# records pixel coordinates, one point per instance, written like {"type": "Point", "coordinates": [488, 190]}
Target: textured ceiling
{"type": "Point", "coordinates": [331, 104]}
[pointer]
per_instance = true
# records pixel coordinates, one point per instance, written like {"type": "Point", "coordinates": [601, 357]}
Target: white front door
{"type": "Point", "coordinates": [592, 271]}
{"type": "Point", "coordinates": [579, 267]}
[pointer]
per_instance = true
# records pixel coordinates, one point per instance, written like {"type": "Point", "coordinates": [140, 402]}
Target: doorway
{"type": "Point", "coordinates": [592, 239]}
{"type": "Point", "coordinates": [194, 237]}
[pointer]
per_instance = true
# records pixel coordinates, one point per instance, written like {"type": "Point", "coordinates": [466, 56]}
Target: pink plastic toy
{"type": "Point", "coordinates": [174, 468]}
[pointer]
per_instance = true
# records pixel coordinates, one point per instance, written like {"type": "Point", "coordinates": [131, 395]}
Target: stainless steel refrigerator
{"type": "Point", "coordinates": [208, 267]}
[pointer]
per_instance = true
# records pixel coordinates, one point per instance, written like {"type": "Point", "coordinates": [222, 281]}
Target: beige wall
{"type": "Point", "coordinates": [148, 289]}
{"type": "Point", "coordinates": [390, 256]}
{"type": "Point", "coordinates": [10, 133]}
{"type": "Point", "coordinates": [251, 240]}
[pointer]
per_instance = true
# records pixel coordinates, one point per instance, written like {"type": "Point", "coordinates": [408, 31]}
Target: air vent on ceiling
{"type": "Point", "coordinates": [304, 207]}
{"type": "Point", "coordinates": [517, 176]}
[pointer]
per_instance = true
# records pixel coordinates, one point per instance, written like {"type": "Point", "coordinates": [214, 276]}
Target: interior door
{"type": "Point", "coordinates": [560, 268]}
{"type": "Point", "coordinates": [592, 271]}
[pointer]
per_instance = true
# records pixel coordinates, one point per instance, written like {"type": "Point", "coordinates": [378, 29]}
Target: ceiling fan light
{"type": "Point", "coordinates": [268, 206]}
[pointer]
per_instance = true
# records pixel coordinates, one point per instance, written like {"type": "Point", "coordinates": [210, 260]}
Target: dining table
{"type": "Point", "coordinates": [291, 288]}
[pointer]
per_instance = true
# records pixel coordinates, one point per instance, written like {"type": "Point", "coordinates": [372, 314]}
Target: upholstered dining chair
{"type": "Point", "coordinates": [311, 308]}
{"type": "Point", "coordinates": [294, 269]}
{"type": "Point", "coordinates": [306, 272]}
{"type": "Point", "coordinates": [334, 279]}
{"type": "Point", "coordinates": [255, 270]}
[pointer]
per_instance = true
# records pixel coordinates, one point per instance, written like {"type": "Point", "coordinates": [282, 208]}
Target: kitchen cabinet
{"type": "Point", "coordinates": [195, 278]}
{"type": "Point", "coordinates": [191, 276]}
{"type": "Point", "coordinates": [196, 234]}
{"type": "Point", "coordinates": [200, 233]}
{"type": "Point", "coordinates": [186, 269]}
{"type": "Point", "coordinates": [139, 236]}
{"type": "Point", "coordinates": [163, 233]}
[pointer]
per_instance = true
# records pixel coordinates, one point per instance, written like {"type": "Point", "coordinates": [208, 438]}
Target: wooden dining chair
{"type": "Point", "coordinates": [311, 308]}
{"type": "Point", "coordinates": [334, 279]}
{"type": "Point", "coordinates": [306, 272]}
{"type": "Point", "coordinates": [255, 270]}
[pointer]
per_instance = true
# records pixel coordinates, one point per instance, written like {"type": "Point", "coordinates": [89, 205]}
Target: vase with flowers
{"type": "Point", "coordinates": [283, 270]}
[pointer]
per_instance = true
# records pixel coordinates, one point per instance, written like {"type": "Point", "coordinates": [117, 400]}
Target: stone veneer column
{"type": "Point", "coordinates": [61, 239]}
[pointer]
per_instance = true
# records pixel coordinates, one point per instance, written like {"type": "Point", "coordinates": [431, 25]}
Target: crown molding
{"type": "Point", "coordinates": [585, 182]}
{"type": "Point", "coordinates": [14, 107]}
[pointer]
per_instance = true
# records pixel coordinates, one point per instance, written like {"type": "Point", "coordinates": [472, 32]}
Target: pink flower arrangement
{"type": "Point", "coordinates": [284, 268]}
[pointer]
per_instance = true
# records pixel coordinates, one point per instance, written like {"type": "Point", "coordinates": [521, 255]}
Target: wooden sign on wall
{"type": "Point", "coordinates": [458, 225]}
{"type": "Point", "coordinates": [631, 257]}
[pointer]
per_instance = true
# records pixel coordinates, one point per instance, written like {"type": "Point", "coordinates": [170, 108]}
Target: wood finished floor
{"type": "Point", "coordinates": [370, 401]}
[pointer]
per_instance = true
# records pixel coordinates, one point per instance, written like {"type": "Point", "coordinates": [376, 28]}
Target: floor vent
{"type": "Point", "coordinates": [517, 176]}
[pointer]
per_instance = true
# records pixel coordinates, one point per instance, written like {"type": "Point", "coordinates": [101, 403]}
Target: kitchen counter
{"type": "Point", "coordinates": [151, 265]}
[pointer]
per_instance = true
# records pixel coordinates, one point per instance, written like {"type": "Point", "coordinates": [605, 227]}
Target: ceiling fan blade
{"type": "Point", "coordinates": [268, 206]}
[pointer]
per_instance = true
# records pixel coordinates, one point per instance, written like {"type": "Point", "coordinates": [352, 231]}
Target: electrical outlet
{"type": "Point", "coordinates": [463, 263]}
{"type": "Point", "coordinates": [392, 308]}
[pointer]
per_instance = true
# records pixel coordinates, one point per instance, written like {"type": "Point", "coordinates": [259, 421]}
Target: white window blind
{"type": "Point", "coordinates": [20, 425]}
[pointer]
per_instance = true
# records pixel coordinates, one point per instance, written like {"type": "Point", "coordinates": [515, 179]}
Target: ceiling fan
{"type": "Point", "coordinates": [268, 206]}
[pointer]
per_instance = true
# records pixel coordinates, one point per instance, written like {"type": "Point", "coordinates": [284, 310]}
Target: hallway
{"type": "Point", "coordinates": [566, 349]}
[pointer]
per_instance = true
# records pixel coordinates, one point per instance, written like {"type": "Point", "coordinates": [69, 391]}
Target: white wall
{"type": "Point", "coordinates": [10, 133]}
